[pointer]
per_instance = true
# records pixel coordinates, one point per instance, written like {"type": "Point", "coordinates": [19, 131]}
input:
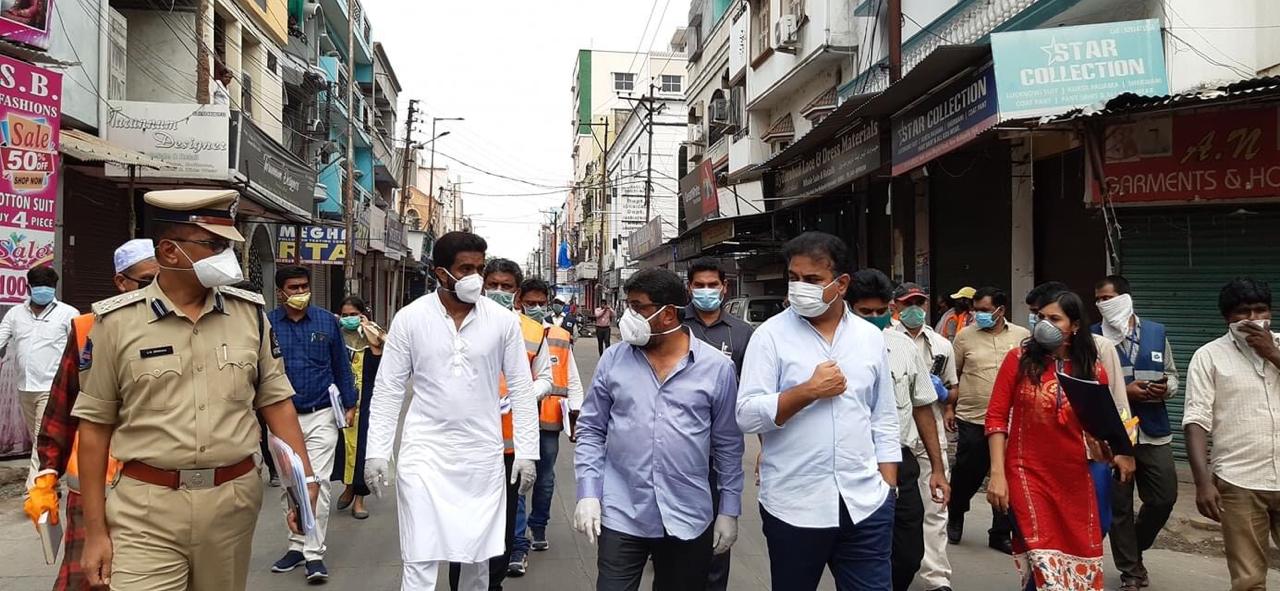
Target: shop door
{"type": "Point", "coordinates": [95, 222]}
{"type": "Point", "coordinates": [1177, 260]}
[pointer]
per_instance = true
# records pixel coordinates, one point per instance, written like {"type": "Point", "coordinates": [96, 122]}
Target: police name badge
{"type": "Point", "coordinates": [1157, 357]}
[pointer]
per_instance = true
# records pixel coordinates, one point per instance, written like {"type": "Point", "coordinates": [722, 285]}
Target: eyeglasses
{"type": "Point", "coordinates": [639, 307]}
{"type": "Point", "coordinates": [216, 246]}
{"type": "Point", "coordinates": [141, 281]}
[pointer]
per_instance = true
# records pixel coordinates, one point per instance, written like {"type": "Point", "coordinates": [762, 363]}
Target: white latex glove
{"type": "Point", "coordinates": [526, 472]}
{"type": "Point", "coordinates": [586, 518]}
{"type": "Point", "coordinates": [724, 534]}
{"type": "Point", "coordinates": [375, 475]}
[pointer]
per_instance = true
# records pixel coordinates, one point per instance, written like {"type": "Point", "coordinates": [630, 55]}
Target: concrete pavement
{"type": "Point", "coordinates": [364, 555]}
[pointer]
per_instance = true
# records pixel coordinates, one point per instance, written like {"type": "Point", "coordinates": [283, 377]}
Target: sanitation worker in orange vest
{"type": "Point", "coordinates": [502, 281]}
{"type": "Point", "coordinates": [57, 443]}
{"type": "Point", "coordinates": [566, 387]}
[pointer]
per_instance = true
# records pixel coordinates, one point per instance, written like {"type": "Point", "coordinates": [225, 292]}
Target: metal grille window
{"type": "Point", "coordinates": [763, 27]}
{"type": "Point", "coordinates": [672, 83]}
{"type": "Point", "coordinates": [624, 81]}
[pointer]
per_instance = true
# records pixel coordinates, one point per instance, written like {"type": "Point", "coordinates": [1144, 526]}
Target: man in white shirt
{"type": "Point", "coordinates": [816, 385]}
{"type": "Point", "coordinates": [453, 345]}
{"type": "Point", "coordinates": [1233, 393]}
{"type": "Point", "coordinates": [912, 302]}
{"type": "Point", "coordinates": [39, 327]}
{"type": "Point", "coordinates": [869, 297]}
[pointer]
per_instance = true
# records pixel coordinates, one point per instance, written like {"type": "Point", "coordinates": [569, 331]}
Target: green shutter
{"type": "Point", "coordinates": [584, 91]}
{"type": "Point", "coordinates": [1177, 259]}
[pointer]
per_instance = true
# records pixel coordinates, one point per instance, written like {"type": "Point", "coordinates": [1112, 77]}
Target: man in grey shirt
{"type": "Point", "coordinates": [708, 323]}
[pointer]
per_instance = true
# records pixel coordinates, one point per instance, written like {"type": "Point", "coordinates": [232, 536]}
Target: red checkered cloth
{"type": "Point", "coordinates": [70, 577]}
{"type": "Point", "coordinates": [58, 427]}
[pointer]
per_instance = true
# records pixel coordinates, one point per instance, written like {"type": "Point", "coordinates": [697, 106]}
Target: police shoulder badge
{"type": "Point", "coordinates": [86, 355]}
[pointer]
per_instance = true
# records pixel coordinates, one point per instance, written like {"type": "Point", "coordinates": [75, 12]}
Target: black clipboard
{"type": "Point", "coordinates": [1097, 412]}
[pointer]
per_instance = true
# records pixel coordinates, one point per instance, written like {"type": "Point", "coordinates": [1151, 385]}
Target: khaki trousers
{"type": "Point", "coordinates": [175, 540]}
{"type": "Point", "coordinates": [1249, 517]}
{"type": "Point", "coordinates": [935, 568]}
{"type": "Point", "coordinates": [33, 404]}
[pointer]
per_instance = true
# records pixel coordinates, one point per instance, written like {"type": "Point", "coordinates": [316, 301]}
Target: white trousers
{"type": "Point", "coordinates": [33, 404]}
{"type": "Point", "coordinates": [320, 435]}
{"type": "Point", "coordinates": [935, 569]}
{"type": "Point", "coordinates": [421, 576]}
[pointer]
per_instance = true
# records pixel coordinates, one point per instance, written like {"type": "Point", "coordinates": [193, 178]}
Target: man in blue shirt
{"type": "Point", "coordinates": [659, 411]}
{"type": "Point", "coordinates": [816, 384]}
{"type": "Point", "coordinates": [315, 358]}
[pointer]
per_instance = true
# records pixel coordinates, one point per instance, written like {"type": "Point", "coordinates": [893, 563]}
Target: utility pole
{"type": "Point", "coordinates": [895, 40]}
{"type": "Point", "coordinates": [349, 190]}
{"type": "Point", "coordinates": [603, 210]}
{"type": "Point", "coordinates": [648, 181]}
{"type": "Point", "coordinates": [407, 158]}
{"type": "Point", "coordinates": [202, 55]}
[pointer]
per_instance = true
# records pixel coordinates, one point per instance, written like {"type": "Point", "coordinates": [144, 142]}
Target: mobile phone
{"type": "Point", "coordinates": [1162, 380]}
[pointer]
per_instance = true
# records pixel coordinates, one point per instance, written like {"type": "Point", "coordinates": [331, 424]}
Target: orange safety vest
{"type": "Point", "coordinates": [533, 336]}
{"type": "Point", "coordinates": [559, 342]}
{"type": "Point", "coordinates": [83, 324]}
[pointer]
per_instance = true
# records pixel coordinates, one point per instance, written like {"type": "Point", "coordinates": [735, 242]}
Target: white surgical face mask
{"type": "Point", "coordinates": [807, 299]}
{"type": "Point", "coordinates": [467, 289]}
{"type": "Point", "coordinates": [635, 328]}
{"type": "Point", "coordinates": [216, 271]}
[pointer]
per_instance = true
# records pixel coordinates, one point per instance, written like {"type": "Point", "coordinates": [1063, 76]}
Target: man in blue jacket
{"type": "Point", "coordinates": [315, 358]}
{"type": "Point", "coordinates": [1151, 379]}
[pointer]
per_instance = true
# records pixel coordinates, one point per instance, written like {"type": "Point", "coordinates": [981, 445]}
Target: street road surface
{"type": "Point", "coordinates": [365, 555]}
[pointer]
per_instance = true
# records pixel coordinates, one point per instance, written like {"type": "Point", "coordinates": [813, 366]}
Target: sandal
{"type": "Point", "coordinates": [359, 513]}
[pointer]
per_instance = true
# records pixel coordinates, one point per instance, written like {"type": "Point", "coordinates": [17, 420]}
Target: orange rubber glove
{"type": "Point", "coordinates": [42, 498]}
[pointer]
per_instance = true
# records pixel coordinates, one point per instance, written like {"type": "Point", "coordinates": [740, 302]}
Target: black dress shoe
{"type": "Point", "coordinates": [1004, 545]}
{"type": "Point", "coordinates": [955, 531]}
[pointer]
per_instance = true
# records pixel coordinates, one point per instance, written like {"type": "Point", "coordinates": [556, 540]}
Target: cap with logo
{"type": "Point", "coordinates": [133, 252]}
{"type": "Point", "coordinates": [909, 290]}
{"type": "Point", "coordinates": [965, 293]}
{"type": "Point", "coordinates": [211, 209]}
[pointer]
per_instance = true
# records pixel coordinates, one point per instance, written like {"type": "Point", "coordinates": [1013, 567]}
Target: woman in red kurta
{"type": "Point", "coordinates": [1043, 473]}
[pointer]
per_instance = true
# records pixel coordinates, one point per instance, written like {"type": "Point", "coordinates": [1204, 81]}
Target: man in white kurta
{"type": "Point", "coordinates": [450, 475]}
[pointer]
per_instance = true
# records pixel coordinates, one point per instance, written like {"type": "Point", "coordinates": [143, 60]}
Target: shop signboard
{"type": "Point", "coordinates": [946, 121]}
{"type": "Point", "coordinates": [1048, 71]}
{"type": "Point", "coordinates": [738, 45]}
{"type": "Point", "coordinates": [313, 245]}
{"type": "Point", "coordinates": [853, 153]}
{"type": "Point", "coordinates": [192, 138]}
{"type": "Point", "coordinates": [699, 195]}
{"type": "Point", "coordinates": [646, 239]}
{"type": "Point", "coordinates": [30, 114]}
{"type": "Point", "coordinates": [28, 24]}
{"type": "Point", "coordinates": [1202, 156]}
{"type": "Point", "coordinates": [269, 167]}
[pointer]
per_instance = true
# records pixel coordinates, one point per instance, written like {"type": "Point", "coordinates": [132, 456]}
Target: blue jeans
{"type": "Point", "coordinates": [858, 554]}
{"type": "Point", "coordinates": [544, 487]}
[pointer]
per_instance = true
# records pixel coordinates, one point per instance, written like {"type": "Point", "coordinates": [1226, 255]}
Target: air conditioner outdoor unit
{"type": "Point", "coordinates": [718, 112]}
{"type": "Point", "coordinates": [786, 35]}
{"type": "Point", "coordinates": [696, 150]}
{"type": "Point", "coordinates": [697, 135]}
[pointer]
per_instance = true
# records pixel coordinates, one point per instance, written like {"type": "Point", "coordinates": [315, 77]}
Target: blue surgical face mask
{"type": "Point", "coordinates": [707, 299]}
{"type": "Point", "coordinates": [912, 317]}
{"type": "Point", "coordinates": [985, 319]}
{"type": "Point", "coordinates": [41, 295]}
{"type": "Point", "coordinates": [1032, 319]}
{"type": "Point", "coordinates": [537, 313]}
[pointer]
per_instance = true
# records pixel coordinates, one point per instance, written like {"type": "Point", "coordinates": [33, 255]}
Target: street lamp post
{"type": "Point", "coordinates": [432, 202]}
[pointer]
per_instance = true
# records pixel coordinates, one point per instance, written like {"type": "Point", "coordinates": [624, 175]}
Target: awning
{"type": "Point", "coordinates": [821, 105]}
{"type": "Point", "coordinates": [933, 72]}
{"type": "Point", "coordinates": [1262, 88]}
{"type": "Point", "coordinates": [90, 148]}
{"type": "Point", "coordinates": [782, 129]}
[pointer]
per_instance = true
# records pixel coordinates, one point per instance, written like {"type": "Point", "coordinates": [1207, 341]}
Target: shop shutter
{"type": "Point", "coordinates": [320, 296]}
{"type": "Point", "coordinates": [95, 222]}
{"type": "Point", "coordinates": [1177, 259]}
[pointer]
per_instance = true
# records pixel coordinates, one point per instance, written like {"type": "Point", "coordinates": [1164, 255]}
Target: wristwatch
{"type": "Point", "coordinates": [895, 492]}
{"type": "Point", "coordinates": [313, 480]}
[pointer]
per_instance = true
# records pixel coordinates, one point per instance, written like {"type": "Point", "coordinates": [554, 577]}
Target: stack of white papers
{"type": "Point", "coordinates": [50, 538]}
{"type": "Point", "coordinates": [335, 400]}
{"type": "Point", "coordinates": [294, 478]}
{"type": "Point", "coordinates": [564, 416]}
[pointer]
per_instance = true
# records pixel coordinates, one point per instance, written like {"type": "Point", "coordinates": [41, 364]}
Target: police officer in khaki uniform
{"type": "Point", "coordinates": [176, 371]}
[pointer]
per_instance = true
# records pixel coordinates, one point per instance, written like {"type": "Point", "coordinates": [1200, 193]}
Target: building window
{"type": "Point", "coordinates": [624, 82]}
{"type": "Point", "coordinates": [796, 8]}
{"type": "Point", "coordinates": [763, 27]}
{"type": "Point", "coordinates": [672, 84]}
